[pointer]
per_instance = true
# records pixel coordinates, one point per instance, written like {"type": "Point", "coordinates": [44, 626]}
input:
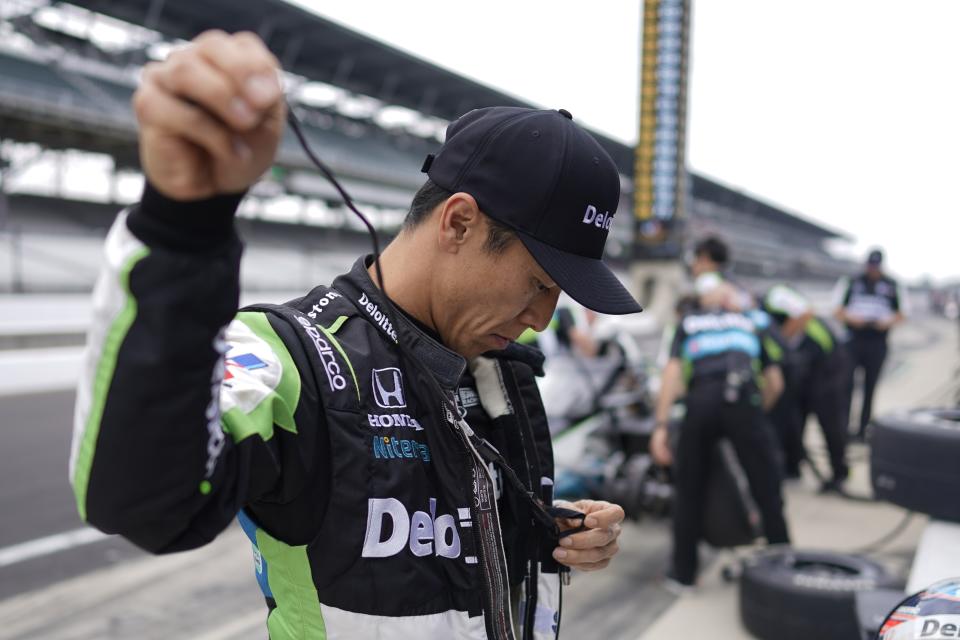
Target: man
{"type": "Point", "coordinates": [710, 260]}
{"type": "Point", "coordinates": [363, 451]}
{"type": "Point", "coordinates": [816, 376]}
{"type": "Point", "coordinates": [869, 305]}
{"type": "Point", "coordinates": [716, 354]}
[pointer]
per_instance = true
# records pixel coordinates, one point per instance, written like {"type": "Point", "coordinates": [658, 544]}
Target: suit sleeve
{"type": "Point", "coordinates": [181, 398]}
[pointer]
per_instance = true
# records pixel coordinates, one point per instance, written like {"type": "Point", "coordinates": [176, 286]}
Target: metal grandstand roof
{"type": "Point", "coordinates": [322, 50]}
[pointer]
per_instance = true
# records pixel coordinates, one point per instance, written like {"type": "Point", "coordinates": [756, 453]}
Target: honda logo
{"type": "Point", "coordinates": [388, 388]}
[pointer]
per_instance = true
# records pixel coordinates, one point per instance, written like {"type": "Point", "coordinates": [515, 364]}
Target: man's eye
{"type": "Point", "coordinates": [540, 286]}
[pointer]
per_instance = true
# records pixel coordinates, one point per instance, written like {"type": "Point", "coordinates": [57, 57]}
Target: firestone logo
{"type": "Point", "coordinates": [321, 303]}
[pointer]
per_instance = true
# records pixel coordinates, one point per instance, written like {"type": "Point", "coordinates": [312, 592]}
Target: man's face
{"type": "Point", "coordinates": [486, 300]}
{"type": "Point", "coordinates": [874, 271]}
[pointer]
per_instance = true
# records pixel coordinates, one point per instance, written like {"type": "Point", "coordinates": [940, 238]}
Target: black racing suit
{"type": "Point", "coordinates": [368, 514]}
{"type": "Point", "coordinates": [722, 354]}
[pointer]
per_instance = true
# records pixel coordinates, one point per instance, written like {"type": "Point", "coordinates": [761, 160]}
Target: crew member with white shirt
{"type": "Point", "coordinates": [869, 305]}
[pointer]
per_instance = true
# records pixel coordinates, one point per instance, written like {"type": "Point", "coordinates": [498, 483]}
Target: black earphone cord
{"type": "Point", "coordinates": [485, 452]}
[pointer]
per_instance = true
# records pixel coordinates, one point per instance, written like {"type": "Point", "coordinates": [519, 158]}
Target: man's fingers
{"type": "Point", "coordinates": [595, 566]}
{"type": "Point", "coordinates": [188, 76]}
{"type": "Point", "coordinates": [591, 538]}
{"type": "Point", "coordinates": [603, 514]}
{"type": "Point", "coordinates": [158, 110]}
{"type": "Point", "coordinates": [245, 59]}
{"type": "Point", "coordinates": [578, 557]}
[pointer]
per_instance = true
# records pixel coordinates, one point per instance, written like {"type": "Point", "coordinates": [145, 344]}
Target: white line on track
{"type": "Point", "coordinates": [50, 544]}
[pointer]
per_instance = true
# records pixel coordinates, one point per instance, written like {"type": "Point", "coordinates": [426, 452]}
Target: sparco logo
{"type": "Point", "coordinates": [330, 366]}
{"type": "Point", "coordinates": [424, 533]}
{"type": "Point", "coordinates": [321, 303]}
{"type": "Point", "coordinates": [598, 220]}
{"type": "Point", "coordinates": [388, 388]}
{"type": "Point", "coordinates": [378, 316]}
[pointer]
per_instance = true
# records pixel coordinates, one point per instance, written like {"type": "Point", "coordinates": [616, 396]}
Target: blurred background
{"type": "Point", "coordinates": [801, 133]}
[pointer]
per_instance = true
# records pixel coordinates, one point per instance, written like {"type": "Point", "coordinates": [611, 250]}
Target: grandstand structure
{"type": "Point", "coordinates": [373, 112]}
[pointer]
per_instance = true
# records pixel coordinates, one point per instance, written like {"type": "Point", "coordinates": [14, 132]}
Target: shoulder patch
{"type": "Point", "coordinates": [252, 371]}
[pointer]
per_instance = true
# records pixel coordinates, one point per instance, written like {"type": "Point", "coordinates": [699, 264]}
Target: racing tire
{"type": "Point", "coordinates": [787, 594]}
{"type": "Point", "coordinates": [914, 460]}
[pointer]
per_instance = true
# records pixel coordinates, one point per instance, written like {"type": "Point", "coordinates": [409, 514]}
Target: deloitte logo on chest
{"type": "Point", "coordinates": [423, 533]}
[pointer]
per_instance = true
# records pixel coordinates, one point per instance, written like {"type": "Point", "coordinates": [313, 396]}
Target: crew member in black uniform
{"type": "Point", "coordinates": [869, 305]}
{"type": "Point", "coordinates": [816, 376]}
{"type": "Point", "coordinates": [730, 380]}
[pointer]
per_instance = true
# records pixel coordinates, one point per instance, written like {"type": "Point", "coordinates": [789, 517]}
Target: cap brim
{"type": "Point", "coordinates": [589, 281]}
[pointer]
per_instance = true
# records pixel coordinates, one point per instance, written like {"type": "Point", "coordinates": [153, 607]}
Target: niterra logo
{"type": "Point", "coordinates": [321, 303]}
{"type": "Point", "coordinates": [388, 447]}
{"type": "Point", "coordinates": [330, 366]}
{"type": "Point", "coordinates": [386, 420]}
{"type": "Point", "coordinates": [388, 388]}
{"type": "Point", "coordinates": [598, 220]}
{"type": "Point", "coordinates": [378, 316]}
{"type": "Point", "coordinates": [424, 533]}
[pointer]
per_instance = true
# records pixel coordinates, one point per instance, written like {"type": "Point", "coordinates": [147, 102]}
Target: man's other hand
{"type": "Point", "coordinates": [211, 116]}
{"type": "Point", "coordinates": [660, 447]}
{"type": "Point", "coordinates": [592, 549]}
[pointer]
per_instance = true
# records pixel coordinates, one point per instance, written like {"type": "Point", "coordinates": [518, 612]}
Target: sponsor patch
{"type": "Point", "coordinates": [387, 420]}
{"type": "Point", "coordinates": [390, 448]}
{"type": "Point", "coordinates": [424, 533]}
{"type": "Point", "coordinates": [245, 361]}
{"type": "Point", "coordinates": [324, 300]}
{"type": "Point", "coordinates": [378, 316]}
{"type": "Point", "coordinates": [388, 388]}
{"type": "Point", "coordinates": [330, 365]}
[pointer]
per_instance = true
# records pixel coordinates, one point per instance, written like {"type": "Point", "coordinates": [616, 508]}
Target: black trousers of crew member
{"type": "Point", "coordinates": [866, 352]}
{"type": "Point", "coordinates": [708, 419]}
{"type": "Point", "coordinates": [824, 396]}
{"type": "Point", "coordinates": [785, 418]}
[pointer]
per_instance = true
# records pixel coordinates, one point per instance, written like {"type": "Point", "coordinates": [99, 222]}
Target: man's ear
{"type": "Point", "coordinates": [459, 222]}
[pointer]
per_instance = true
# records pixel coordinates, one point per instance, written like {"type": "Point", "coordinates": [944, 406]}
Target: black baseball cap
{"type": "Point", "coordinates": [546, 178]}
{"type": "Point", "coordinates": [875, 258]}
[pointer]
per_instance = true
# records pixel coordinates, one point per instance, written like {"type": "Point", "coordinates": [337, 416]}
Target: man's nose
{"type": "Point", "coordinates": [540, 311]}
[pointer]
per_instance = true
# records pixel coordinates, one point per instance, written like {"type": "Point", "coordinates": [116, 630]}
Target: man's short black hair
{"type": "Point", "coordinates": [431, 195]}
{"type": "Point", "coordinates": [713, 248]}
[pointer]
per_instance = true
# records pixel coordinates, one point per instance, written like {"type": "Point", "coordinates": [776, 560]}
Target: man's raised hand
{"type": "Point", "coordinates": [211, 116]}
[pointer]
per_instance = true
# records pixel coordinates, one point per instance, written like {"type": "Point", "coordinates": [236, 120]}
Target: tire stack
{"type": "Point", "coordinates": [787, 594]}
{"type": "Point", "coordinates": [915, 461]}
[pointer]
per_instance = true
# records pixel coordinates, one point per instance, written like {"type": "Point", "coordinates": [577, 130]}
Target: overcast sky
{"type": "Point", "coordinates": [846, 112]}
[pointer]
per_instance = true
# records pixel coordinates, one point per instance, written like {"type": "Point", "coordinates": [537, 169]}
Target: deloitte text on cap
{"type": "Point", "coordinates": [546, 178]}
